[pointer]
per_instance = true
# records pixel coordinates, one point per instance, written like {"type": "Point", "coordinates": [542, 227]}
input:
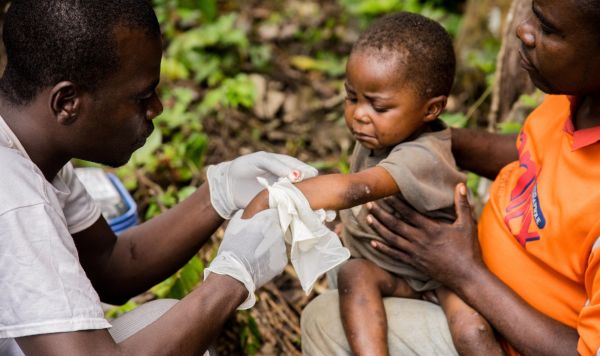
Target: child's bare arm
{"type": "Point", "coordinates": [336, 191]}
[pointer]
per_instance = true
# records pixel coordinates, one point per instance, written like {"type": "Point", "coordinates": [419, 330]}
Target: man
{"type": "Point", "coordinates": [80, 83]}
{"type": "Point", "coordinates": [535, 273]}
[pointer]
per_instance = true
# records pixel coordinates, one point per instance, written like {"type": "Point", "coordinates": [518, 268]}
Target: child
{"type": "Point", "coordinates": [398, 78]}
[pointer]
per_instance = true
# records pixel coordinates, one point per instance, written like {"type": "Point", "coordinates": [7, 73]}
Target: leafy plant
{"type": "Point", "coordinates": [181, 283]}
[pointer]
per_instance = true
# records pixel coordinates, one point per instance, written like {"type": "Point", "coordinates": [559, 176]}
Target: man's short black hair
{"type": "Point", "coordinates": [48, 41]}
{"type": "Point", "coordinates": [421, 45]}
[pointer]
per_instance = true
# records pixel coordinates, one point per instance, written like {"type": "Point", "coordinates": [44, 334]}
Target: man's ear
{"type": "Point", "coordinates": [65, 102]}
{"type": "Point", "coordinates": [434, 107]}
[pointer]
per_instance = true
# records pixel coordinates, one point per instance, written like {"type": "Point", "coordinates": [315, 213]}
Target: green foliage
{"type": "Point", "coordinates": [250, 337]}
{"type": "Point", "coordinates": [324, 62]}
{"type": "Point", "coordinates": [181, 283]}
{"type": "Point", "coordinates": [232, 93]}
{"type": "Point", "coordinates": [121, 309]}
{"type": "Point", "coordinates": [456, 119]}
{"type": "Point", "coordinates": [367, 10]}
{"type": "Point", "coordinates": [473, 183]}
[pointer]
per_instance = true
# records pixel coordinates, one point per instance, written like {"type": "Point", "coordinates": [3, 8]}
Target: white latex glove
{"type": "Point", "coordinates": [314, 248]}
{"type": "Point", "coordinates": [233, 184]}
{"type": "Point", "coordinates": [252, 251]}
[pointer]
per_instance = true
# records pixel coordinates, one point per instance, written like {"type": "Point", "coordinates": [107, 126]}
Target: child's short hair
{"type": "Point", "coordinates": [424, 47]}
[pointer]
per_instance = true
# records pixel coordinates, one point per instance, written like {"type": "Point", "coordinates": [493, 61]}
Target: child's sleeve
{"type": "Point", "coordinates": [425, 171]}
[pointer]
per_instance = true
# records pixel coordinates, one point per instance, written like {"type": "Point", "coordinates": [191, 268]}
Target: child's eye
{"type": "Point", "coordinates": [379, 109]}
{"type": "Point", "coordinates": [351, 99]}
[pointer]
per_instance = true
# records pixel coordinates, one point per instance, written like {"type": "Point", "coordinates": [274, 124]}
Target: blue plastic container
{"type": "Point", "coordinates": [130, 218]}
{"type": "Point", "coordinates": [115, 202]}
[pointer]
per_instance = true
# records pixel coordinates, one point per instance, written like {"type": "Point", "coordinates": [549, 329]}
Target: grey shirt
{"type": "Point", "coordinates": [426, 174]}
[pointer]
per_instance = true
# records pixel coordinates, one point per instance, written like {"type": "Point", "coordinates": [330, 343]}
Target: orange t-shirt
{"type": "Point", "coordinates": [540, 230]}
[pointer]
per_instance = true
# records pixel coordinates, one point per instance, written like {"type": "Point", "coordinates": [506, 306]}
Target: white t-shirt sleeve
{"type": "Point", "coordinates": [44, 288]}
{"type": "Point", "coordinates": [79, 209]}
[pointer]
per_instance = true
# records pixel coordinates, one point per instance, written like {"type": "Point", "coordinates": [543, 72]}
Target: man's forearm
{"type": "Point", "coordinates": [528, 330]}
{"type": "Point", "coordinates": [149, 253]}
{"type": "Point", "coordinates": [483, 152]}
{"type": "Point", "coordinates": [188, 328]}
{"type": "Point", "coordinates": [194, 323]}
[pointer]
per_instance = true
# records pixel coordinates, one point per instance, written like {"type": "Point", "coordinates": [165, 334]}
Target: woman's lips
{"type": "Point", "coordinates": [526, 62]}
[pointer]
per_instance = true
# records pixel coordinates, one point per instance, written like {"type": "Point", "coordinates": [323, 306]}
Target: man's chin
{"type": "Point", "coordinates": [115, 163]}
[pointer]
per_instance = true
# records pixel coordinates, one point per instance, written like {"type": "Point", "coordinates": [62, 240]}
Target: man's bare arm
{"type": "Point", "coordinates": [483, 152]}
{"type": "Point", "coordinates": [337, 191]}
{"type": "Point", "coordinates": [188, 328]}
{"type": "Point", "coordinates": [123, 267]}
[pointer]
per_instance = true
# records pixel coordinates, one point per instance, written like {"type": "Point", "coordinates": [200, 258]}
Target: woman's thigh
{"type": "Point", "coordinates": [415, 327]}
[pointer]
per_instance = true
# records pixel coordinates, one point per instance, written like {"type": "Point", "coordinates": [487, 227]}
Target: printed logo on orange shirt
{"type": "Point", "coordinates": [524, 203]}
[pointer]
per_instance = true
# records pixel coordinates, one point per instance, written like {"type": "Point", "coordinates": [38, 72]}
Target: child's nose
{"type": "Point", "coordinates": [525, 33]}
{"type": "Point", "coordinates": [360, 115]}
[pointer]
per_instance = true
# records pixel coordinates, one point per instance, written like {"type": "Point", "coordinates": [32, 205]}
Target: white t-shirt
{"type": "Point", "coordinates": [43, 288]}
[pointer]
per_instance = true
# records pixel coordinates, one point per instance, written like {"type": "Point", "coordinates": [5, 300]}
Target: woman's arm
{"type": "Point", "coordinates": [450, 254]}
{"type": "Point", "coordinates": [336, 191]}
{"type": "Point", "coordinates": [483, 152]}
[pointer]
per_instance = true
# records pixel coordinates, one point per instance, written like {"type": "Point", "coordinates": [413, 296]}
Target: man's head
{"type": "Point", "coordinates": [560, 46]}
{"type": "Point", "coordinates": [90, 69]}
{"type": "Point", "coordinates": [51, 41]}
{"type": "Point", "coordinates": [399, 75]}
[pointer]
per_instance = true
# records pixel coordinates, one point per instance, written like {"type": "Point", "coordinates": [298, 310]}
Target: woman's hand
{"type": "Point", "coordinates": [449, 253]}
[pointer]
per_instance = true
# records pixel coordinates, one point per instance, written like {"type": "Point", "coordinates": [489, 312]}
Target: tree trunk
{"type": "Point", "coordinates": [511, 79]}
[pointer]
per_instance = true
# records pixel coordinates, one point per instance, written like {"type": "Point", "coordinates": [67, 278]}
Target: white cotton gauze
{"type": "Point", "coordinates": [314, 248]}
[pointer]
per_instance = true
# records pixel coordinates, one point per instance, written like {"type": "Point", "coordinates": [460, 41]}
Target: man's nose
{"type": "Point", "coordinates": [155, 108]}
{"type": "Point", "coordinates": [525, 33]}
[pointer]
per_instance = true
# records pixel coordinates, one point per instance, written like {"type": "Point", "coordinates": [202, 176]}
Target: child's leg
{"type": "Point", "coordinates": [362, 285]}
{"type": "Point", "coordinates": [471, 333]}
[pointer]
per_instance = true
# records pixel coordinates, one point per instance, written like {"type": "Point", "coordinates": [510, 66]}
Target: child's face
{"type": "Point", "coordinates": [381, 109]}
{"type": "Point", "coordinates": [559, 48]}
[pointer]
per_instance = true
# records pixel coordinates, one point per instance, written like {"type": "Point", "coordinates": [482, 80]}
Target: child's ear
{"type": "Point", "coordinates": [65, 102]}
{"type": "Point", "coordinates": [434, 107]}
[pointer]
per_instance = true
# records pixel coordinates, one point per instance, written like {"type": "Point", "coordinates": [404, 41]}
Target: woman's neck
{"type": "Point", "coordinates": [587, 113]}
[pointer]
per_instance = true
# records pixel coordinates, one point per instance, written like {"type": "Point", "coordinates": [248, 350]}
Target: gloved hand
{"type": "Point", "coordinates": [252, 251]}
{"type": "Point", "coordinates": [233, 184]}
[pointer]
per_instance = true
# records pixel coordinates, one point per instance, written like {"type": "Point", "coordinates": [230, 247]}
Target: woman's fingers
{"type": "Point", "coordinates": [405, 211]}
{"type": "Point", "coordinates": [395, 253]}
{"type": "Point", "coordinates": [388, 226]}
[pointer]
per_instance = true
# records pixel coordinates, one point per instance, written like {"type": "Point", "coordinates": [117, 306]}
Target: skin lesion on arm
{"type": "Point", "coordinates": [336, 191]}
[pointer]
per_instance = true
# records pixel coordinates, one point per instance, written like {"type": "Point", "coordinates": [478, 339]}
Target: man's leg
{"type": "Point", "coordinates": [415, 327]}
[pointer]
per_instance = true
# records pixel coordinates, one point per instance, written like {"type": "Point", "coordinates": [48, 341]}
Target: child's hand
{"type": "Point", "coordinates": [256, 205]}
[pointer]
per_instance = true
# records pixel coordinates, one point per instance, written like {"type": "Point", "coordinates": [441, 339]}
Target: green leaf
{"type": "Point", "coordinates": [146, 154]}
{"type": "Point", "coordinates": [509, 127]}
{"type": "Point", "coordinates": [457, 119]}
